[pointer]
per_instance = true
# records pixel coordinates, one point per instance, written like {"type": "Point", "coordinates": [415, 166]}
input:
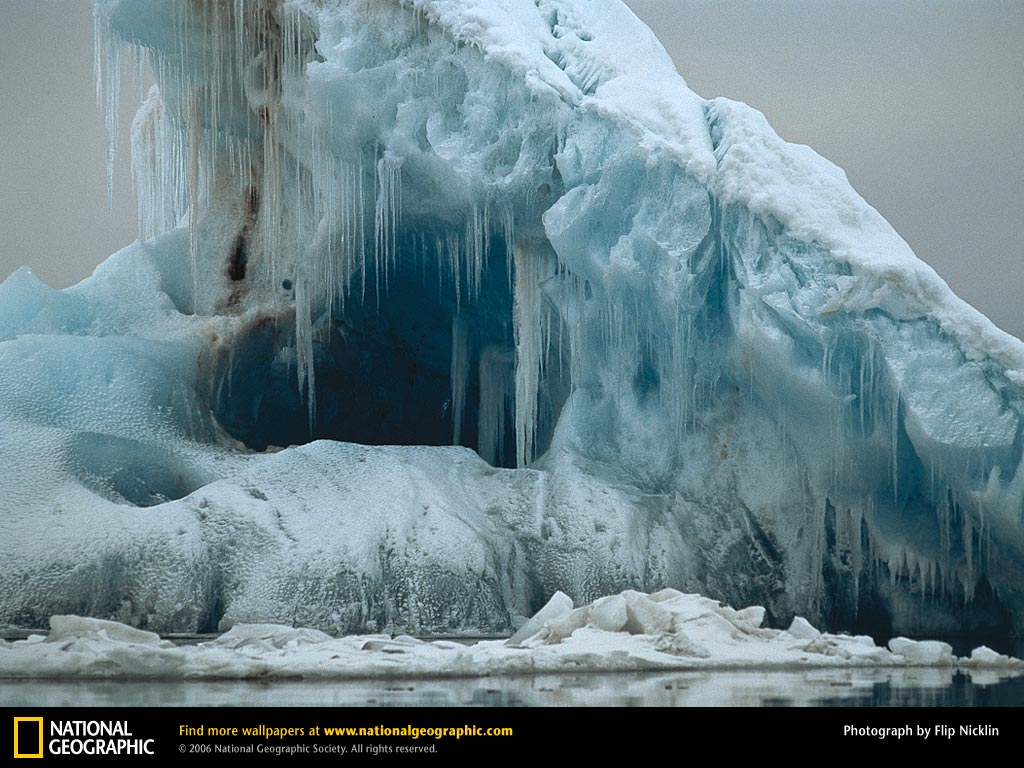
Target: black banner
{"type": "Point", "coordinates": [415, 734]}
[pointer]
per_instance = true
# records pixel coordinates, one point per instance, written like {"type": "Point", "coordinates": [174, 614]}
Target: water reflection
{"type": "Point", "coordinates": [874, 687]}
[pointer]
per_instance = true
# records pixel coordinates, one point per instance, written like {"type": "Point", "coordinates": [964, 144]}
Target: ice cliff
{"type": "Point", "coordinates": [445, 305]}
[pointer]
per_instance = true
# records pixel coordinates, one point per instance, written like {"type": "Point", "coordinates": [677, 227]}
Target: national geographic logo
{"type": "Point", "coordinates": [77, 737]}
{"type": "Point", "coordinates": [28, 737]}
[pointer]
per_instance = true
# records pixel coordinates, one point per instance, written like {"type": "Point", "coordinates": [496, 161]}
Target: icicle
{"type": "Point", "coordinates": [529, 269]}
{"type": "Point", "coordinates": [195, 134]}
{"type": "Point", "coordinates": [304, 349]}
{"type": "Point", "coordinates": [858, 553]}
{"type": "Point", "coordinates": [107, 67]}
{"type": "Point", "coordinates": [497, 399]}
{"type": "Point", "coordinates": [387, 210]}
{"type": "Point", "coordinates": [970, 576]}
{"type": "Point", "coordinates": [453, 250]}
{"type": "Point", "coordinates": [459, 375]}
{"type": "Point", "coordinates": [475, 238]}
{"type": "Point", "coordinates": [895, 425]}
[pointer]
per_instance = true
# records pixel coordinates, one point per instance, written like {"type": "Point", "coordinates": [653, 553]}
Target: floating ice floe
{"type": "Point", "coordinates": [666, 630]}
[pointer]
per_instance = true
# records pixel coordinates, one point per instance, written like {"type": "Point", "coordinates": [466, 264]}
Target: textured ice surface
{"type": "Point", "coordinates": [691, 355]}
{"type": "Point", "coordinates": [665, 630]}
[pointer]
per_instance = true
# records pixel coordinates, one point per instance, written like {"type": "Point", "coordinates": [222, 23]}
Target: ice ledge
{"type": "Point", "coordinates": [813, 200]}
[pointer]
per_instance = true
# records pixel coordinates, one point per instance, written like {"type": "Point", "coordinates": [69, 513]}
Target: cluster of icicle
{"type": "Point", "coordinates": [233, 63]}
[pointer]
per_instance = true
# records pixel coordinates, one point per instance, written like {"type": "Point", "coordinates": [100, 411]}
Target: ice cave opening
{"type": "Point", "coordinates": [419, 352]}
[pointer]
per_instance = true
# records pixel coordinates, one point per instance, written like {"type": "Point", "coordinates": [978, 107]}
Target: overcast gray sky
{"type": "Point", "coordinates": [920, 101]}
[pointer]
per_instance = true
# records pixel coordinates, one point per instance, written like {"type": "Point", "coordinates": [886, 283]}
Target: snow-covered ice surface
{"type": "Point", "coordinates": [555, 322]}
{"type": "Point", "coordinates": [632, 631]}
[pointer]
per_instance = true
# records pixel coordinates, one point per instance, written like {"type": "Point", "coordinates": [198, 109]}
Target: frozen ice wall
{"type": "Point", "coordinates": [690, 354]}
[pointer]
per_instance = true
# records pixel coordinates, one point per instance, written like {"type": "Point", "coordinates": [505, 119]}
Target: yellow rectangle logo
{"type": "Point", "coordinates": [33, 744]}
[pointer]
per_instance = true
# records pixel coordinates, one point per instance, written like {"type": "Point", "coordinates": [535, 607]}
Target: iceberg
{"type": "Point", "coordinates": [444, 306]}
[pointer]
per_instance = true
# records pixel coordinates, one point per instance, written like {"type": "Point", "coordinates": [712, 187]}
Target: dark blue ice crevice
{"type": "Point", "coordinates": [424, 366]}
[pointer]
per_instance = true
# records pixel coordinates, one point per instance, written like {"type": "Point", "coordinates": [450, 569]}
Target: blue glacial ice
{"type": "Point", "coordinates": [442, 306]}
